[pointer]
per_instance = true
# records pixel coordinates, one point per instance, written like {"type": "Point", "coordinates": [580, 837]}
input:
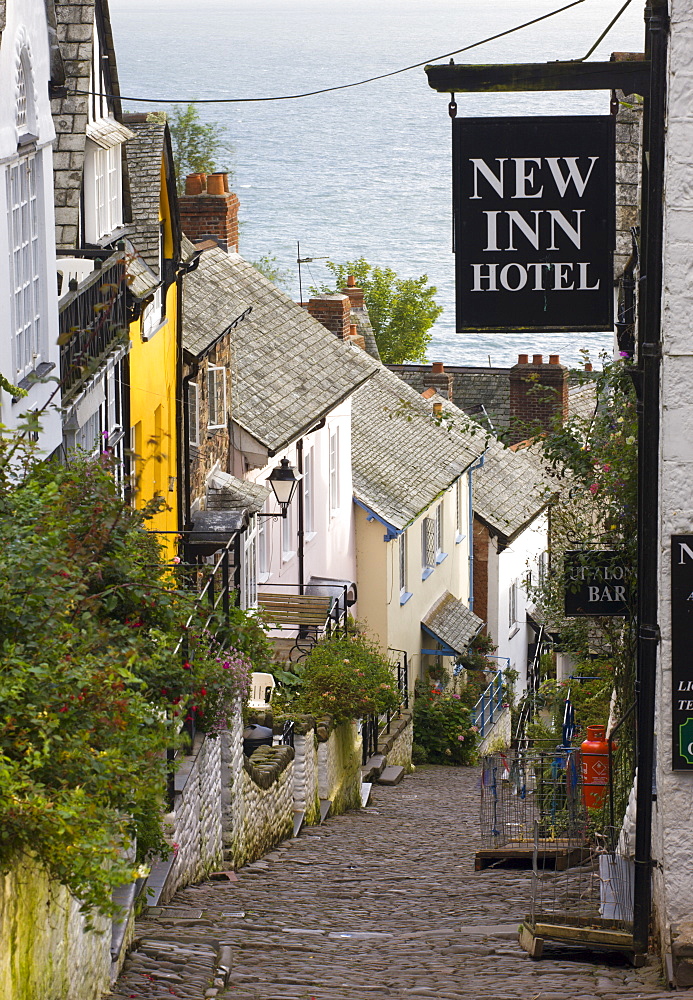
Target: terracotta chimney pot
{"type": "Point", "coordinates": [215, 183]}
{"type": "Point", "coordinates": [437, 409]}
{"type": "Point", "coordinates": [353, 330]}
{"type": "Point", "coordinates": [588, 366]}
{"type": "Point", "coordinates": [523, 359]}
{"type": "Point", "coordinates": [554, 359]}
{"type": "Point", "coordinates": [351, 281]}
{"type": "Point", "coordinates": [537, 359]}
{"type": "Point", "coordinates": [438, 368]}
{"type": "Point", "coordinates": [194, 183]}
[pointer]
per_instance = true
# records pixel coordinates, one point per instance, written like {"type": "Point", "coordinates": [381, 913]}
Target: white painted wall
{"type": "Point", "coordinates": [673, 874]}
{"type": "Point", "coordinates": [513, 565]}
{"type": "Point", "coordinates": [26, 30]}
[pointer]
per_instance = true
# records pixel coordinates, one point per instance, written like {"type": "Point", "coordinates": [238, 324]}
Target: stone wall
{"type": "Point", "coordinates": [267, 804]}
{"type": "Point", "coordinates": [195, 825]}
{"type": "Point", "coordinates": [397, 744]}
{"type": "Point", "coordinates": [339, 765]}
{"type": "Point", "coordinates": [306, 797]}
{"type": "Point", "coordinates": [45, 950]}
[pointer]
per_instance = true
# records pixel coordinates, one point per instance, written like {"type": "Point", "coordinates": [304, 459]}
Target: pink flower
{"type": "Point", "coordinates": [176, 560]}
{"type": "Point", "coordinates": [594, 488]}
{"type": "Point", "coordinates": [461, 739]}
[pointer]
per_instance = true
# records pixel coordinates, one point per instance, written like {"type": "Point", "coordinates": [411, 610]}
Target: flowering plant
{"type": "Point", "coordinates": [443, 733]}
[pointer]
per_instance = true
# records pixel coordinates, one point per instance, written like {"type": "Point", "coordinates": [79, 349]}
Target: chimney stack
{"type": "Point", "coordinates": [334, 312]}
{"type": "Point", "coordinates": [209, 211]}
{"type": "Point", "coordinates": [355, 294]}
{"type": "Point", "coordinates": [538, 395]}
{"type": "Point", "coordinates": [438, 379]}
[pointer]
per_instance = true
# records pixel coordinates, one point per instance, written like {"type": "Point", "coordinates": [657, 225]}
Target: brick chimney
{"type": "Point", "coordinates": [334, 312]}
{"type": "Point", "coordinates": [209, 211]}
{"type": "Point", "coordinates": [355, 294]}
{"type": "Point", "coordinates": [437, 378]}
{"type": "Point", "coordinates": [538, 394]}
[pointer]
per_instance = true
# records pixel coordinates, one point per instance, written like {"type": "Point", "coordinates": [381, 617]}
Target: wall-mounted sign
{"type": "Point", "coordinates": [681, 645]}
{"type": "Point", "coordinates": [596, 583]}
{"type": "Point", "coordinates": [534, 206]}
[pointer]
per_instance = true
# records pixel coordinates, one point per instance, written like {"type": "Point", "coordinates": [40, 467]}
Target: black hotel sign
{"type": "Point", "coordinates": [681, 651]}
{"type": "Point", "coordinates": [534, 206]}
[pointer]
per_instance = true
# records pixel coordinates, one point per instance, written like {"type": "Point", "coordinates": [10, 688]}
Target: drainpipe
{"type": "Point", "coordinates": [471, 469]}
{"type": "Point", "coordinates": [301, 517]}
{"type": "Point", "coordinates": [649, 357]}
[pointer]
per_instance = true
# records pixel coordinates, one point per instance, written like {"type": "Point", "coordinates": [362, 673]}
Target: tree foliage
{"type": "Point", "coordinates": [197, 145]}
{"type": "Point", "coordinates": [401, 310]}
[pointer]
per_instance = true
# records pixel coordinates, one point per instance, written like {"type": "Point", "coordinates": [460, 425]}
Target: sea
{"type": "Point", "coordinates": [364, 171]}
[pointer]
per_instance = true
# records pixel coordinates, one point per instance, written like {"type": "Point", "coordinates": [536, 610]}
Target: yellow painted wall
{"type": "Point", "coordinates": [153, 366]}
{"type": "Point", "coordinates": [371, 576]}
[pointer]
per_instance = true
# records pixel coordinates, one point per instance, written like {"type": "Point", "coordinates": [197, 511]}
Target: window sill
{"type": "Point", "coordinates": [287, 556]}
{"type": "Point", "coordinates": [425, 573]}
{"type": "Point", "coordinates": [459, 538]}
{"type": "Point", "coordinates": [309, 536]}
{"type": "Point", "coordinates": [404, 597]}
{"type": "Point", "coordinates": [440, 557]}
{"type": "Point", "coordinates": [150, 334]}
{"type": "Point", "coordinates": [514, 631]}
{"type": "Point", "coordinates": [216, 427]}
{"type": "Point", "coordinates": [263, 577]}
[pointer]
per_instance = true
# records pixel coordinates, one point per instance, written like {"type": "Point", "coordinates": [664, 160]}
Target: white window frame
{"type": "Point", "coordinates": [103, 190]}
{"type": "Point", "coordinates": [428, 554]}
{"type": "Point", "coordinates": [27, 290]}
{"type": "Point", "coordinates": [512, 604]}
{"type": "Point", "coordinates": [440, 533]}
{"type": "Point", "coordinates": [459, 511]}
{"type": "Point", "coordinates": [250, 580]}
{"type": "Point", "coordinates": [216, 397]}
{"type": "Point", "coordinates": [288, 535]}
{"type": "Point", "coordinates": [334, 471]}
{"type": "Point", "coordinates": [308, 494]}
{"type": "Point", "coordinates": [193, 413]}
{"type": "Point", "coordinates": [263, 553]}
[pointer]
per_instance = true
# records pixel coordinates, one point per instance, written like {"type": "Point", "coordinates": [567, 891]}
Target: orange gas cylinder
{"type": "Point", "coordinates": [595, 766]}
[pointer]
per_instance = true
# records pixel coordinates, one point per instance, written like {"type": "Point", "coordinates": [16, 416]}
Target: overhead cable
{"type": "Point", "coordinates": [343, 86]}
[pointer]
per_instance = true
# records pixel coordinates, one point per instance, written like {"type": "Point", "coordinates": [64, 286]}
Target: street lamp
{"type": "Point", "coordinates": [283, 479]}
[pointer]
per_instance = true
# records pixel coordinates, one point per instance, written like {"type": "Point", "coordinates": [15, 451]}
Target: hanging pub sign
{"type": "Point", "coordinates": [534, 223]}
{"type": "Point", "coordinates": [681, 644]}
{"type": "Point", "coordinates": [596, 583]}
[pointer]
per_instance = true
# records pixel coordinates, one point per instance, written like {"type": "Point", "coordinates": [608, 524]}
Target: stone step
{"type": "Point", "coordinates": [374, 766]}
{"type": "Point", "coordinates": [392, 775]}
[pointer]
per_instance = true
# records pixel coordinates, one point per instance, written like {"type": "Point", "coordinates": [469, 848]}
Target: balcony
{"type": "Point", "coordinates": [93, 319]}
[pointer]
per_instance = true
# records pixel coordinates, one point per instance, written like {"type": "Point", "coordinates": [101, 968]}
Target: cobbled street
{"type": "Point", "coordinates": [380, 903]}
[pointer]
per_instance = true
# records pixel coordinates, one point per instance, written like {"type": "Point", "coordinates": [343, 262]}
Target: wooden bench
{"type": "Point", "coordinates": [305, 614]}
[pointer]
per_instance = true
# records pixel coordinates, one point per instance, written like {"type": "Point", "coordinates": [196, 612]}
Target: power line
{"type": "Point", "coordinates": [344, 86]}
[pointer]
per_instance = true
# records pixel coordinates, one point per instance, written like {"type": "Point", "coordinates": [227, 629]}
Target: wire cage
{"type": "Point", "coordinates": [589, 900]}
{"type": "Point", "coordinates": [532, 804]}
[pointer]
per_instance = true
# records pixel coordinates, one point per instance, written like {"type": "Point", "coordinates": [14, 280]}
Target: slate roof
{"type": "Point", "coordinates": [401, 458]}
{"type": "Point", "coordinates": [510, 489]}
{"type": "Point", "coordinates": [145, 152]}
{"type": "Point", "coordinates": [225, 492]}
{"type": "Point", "coordinates": [582, 400]}
{"type": "Point", "coordinates": [289, 370]}
{"type": "Point", "coordinates": [452, 622]}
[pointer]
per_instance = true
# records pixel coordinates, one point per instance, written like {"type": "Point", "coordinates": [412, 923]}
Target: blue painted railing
{"type": "Point", "coordinates": [489, 707]}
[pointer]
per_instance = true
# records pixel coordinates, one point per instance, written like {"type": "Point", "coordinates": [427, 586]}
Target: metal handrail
{"type": "Point", "coordinates": [489, 704]}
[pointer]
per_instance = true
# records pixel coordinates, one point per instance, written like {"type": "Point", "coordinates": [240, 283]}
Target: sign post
{"type": "Point", "coordinates": [681, 660]}
{"type": "Point", "coordinates": [597, 583]}
{"type": "Point", "coordinates": [534, 217]}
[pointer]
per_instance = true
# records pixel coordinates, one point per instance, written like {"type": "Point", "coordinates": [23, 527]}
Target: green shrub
{"type": "Point", "coordinates": [418, 754]}
{"type": "Point", "coordinates": [347, 678]}
{"type": "Point", "coordinates": [442, 728]}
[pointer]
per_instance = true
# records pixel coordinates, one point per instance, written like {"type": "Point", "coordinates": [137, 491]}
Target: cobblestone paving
{"type": "Point", "coordinates": [380, 903]}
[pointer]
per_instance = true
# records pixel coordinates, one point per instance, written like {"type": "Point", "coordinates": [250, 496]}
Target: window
{"type": "Point", "coordinates": [288, 535]}
{"type": "Point", "coordinates": [459, 510]}
{"type": "Point", "coordinates": [428, 546]}
{"type": "Point", "coordinates": [404, 594]}
{"type": "Point", "coordinates": [103, 196]}
{"type": "Point", "coordinates": [25, 254]}
{"type": "Point", "coordinates": [249, 595]}
{"type": "Point", "coordinates": [216, 397]}
{"type": "Point", "coordinates": [440, 550]}
{"type": "Point", "coordinates": [262, 548]}
{"type": "Point", "coordinates": [543, 568]}
{"type": "Point", "coordinates": [155, 311]}
{"type": "Point", "coordinates": [25, 110]}
{"type": "Point", "coordinates": [193, 413]}
{"type": "Point", "coordinates": [308, 511]}
{"type": "Point", "coordinates": [334, 469]}
{"type": "Point", "coordinates": [512, 604]}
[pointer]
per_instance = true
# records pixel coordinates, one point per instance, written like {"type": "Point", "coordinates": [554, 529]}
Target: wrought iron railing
{"type": "Point", "coordinates": [374, 725]}
{"type": "Point", "coordinates": [489, 707]}
{"type": "Point", "coordinates": [92, 319]}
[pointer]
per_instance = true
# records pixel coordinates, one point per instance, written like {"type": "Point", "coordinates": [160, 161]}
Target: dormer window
{"type": "Point", "coordinates": [103, 191]}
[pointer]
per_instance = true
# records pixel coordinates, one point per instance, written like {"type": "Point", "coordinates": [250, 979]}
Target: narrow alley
{"type": "Point", "coordinates": [378, 903]}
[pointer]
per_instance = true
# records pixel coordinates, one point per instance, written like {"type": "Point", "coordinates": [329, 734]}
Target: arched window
{"type": "Point", "coordinates": [25, 116]}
